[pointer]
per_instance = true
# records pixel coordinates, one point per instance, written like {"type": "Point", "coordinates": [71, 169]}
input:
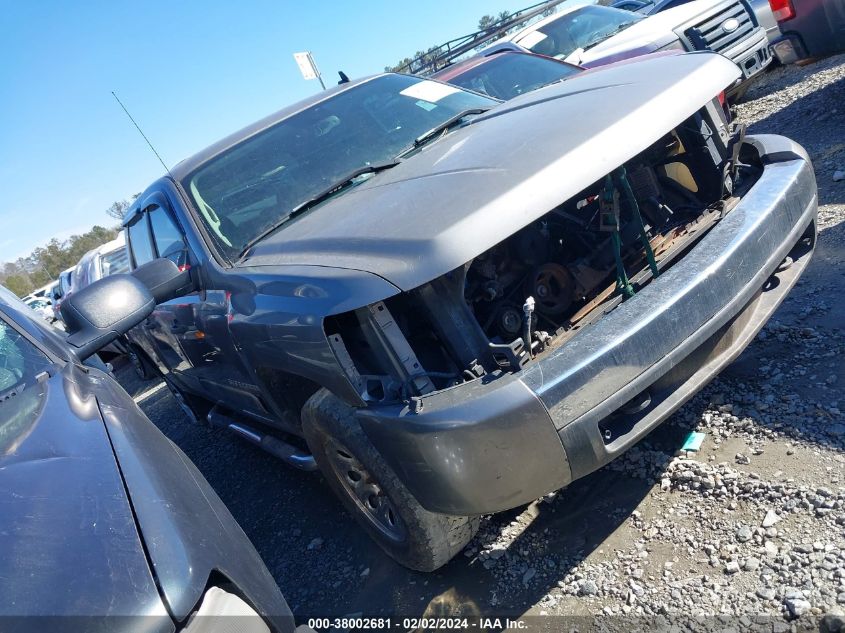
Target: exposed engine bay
{"type": "Point", "coordinates": [563, 260]}
{"type": "Point", "coordinates": [559, 274]}
{"type": "Point", "coordinates": [546, 279]}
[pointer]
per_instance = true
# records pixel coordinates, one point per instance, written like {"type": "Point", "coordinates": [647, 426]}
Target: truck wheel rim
{"type": "Point", "coordinates": [366, 493]}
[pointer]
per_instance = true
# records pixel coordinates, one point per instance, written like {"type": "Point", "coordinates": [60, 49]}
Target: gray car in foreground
{"type": "Point", "coordinates": [452, 306]}
{"type": "Point", "coordinates": [105, 525]}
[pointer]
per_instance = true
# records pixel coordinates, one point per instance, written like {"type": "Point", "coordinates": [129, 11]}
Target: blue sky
{"type": "Point", "coordinates": [190, 72]}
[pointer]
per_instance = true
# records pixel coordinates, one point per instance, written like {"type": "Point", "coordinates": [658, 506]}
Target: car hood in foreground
{"type": "Point", "coordinates": [480, 184]}
{"type": "Point", "coordinates": [91, 495]}
{"type": "Point", "coordinates": [68, 541]}
{"type": "Point", "coordinates": [190, 535]}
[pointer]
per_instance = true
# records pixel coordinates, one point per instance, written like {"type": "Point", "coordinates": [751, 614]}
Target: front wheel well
{"type": "Point", "coordinates": [286, 392]}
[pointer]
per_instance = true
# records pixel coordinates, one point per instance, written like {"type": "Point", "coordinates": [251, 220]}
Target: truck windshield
{"type": "Point", "coordinates": [582, 28]}
{"type": "Point", "coordinates": [252, 186]}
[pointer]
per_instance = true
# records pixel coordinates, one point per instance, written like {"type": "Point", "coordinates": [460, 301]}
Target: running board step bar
{"type": "Point", "coordinates": [288, 453]}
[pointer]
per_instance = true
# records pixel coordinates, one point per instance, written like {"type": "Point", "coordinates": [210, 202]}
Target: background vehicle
{"type": "Point", "coordinates": [102, 516]}
{"type": "Point", "coordinates": [762, 11]}
{"type": "Point", "coordinates": [43, 291]}
{"type": "Point", "coordinates": [42, 306]}
{"type": "Point", "coordinates": [461, 305]}
{"type": "Point", "coordinates": [109, 259]}
{"type": "Point", "coordinates": [811, 28]}
{"type": "Point", "coordinates": [506, 74]}
{"type": "Point", "coordinates": [60, 290]}
{"type": "Point", "coordinates": [594, 35]}
{"type": "Point", "coordinates": [105, 260]}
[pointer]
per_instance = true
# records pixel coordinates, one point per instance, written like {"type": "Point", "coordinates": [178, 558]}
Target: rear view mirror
{"type": "Point", "coordinates": [164, 279]}
{"type": "Point", "coordinates": [98, 314]}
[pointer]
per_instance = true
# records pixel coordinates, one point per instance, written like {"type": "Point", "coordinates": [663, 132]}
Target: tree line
{"type": "Point", "coordinates": [44, 264]}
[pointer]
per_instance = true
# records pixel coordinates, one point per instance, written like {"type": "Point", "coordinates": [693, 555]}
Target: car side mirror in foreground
{"type": "Point", "coordinates": [164, 279]}
{"type": "Point", "coordinates": [100, 313]}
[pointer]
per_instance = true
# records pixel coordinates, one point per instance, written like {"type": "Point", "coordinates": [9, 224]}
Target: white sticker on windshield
{"type": "Point", "coordinates": [532, 39]}
{"type": "Point", "coordinates": [430, 91]}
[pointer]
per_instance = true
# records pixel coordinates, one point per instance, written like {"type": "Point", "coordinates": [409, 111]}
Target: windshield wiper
{"type": "Point", "coordinates": [322, 196]}
{"type": "Point", "coordinates": [605, 36]}
{"type": "Point", "coordinates": [560, 79]}
{"type": "Point", "coordinates": [451, 122]}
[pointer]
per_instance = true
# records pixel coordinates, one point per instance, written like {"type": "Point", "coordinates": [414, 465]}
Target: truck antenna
{"type": "Point", "coordinates": [140, 131]}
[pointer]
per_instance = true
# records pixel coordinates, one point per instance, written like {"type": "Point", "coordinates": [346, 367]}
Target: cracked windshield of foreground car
{"type": "Point", "coordinates": [254, 185]}
{"type": "Point", "coordinates": [20, 362]}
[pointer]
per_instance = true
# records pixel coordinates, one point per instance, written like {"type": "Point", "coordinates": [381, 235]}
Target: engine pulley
{"type": "Point", "coordinates": [509, 321]}
{"type": "Point", "coordinates": [553, 287]}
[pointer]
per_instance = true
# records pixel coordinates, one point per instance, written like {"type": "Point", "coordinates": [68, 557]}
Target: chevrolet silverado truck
{"type": "Point", "coordinates": [452, 306]}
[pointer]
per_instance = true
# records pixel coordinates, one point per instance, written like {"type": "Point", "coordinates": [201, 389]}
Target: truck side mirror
{"type": "Point", "coordinates": [100, 313]}
{"type": "Point", "coordinates": [164, 279]}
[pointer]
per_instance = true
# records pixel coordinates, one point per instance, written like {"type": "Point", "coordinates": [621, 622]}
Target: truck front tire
{"type": "Point", "coordinates": [374, 495]}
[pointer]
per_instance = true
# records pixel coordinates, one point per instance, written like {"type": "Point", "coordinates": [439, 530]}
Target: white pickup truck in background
{"type": "Point", "coordinates": [594, 35]}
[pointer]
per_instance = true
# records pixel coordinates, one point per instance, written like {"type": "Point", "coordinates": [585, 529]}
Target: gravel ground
{"type": "Point", "coordinates": [749, 532]}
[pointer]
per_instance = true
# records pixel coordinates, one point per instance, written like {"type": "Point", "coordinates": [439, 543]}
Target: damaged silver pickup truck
{"type": "Point", "coordinates": [453, 306]}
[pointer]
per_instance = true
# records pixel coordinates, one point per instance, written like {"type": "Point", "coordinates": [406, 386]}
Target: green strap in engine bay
{"type": "Point", "coordinates": [622, 284]}
{"type": "Point", "coordinates": [610, 221]}
{"type": "Point", "coordinates": [629, 193]}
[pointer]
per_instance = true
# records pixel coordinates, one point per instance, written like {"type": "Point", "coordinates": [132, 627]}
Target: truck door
{"type": "Point", "coordinates": [190, 334]}
{"type": "Point", "coordinates": [172, 321]}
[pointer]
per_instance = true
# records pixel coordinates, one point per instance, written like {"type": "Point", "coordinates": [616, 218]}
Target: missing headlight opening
{"type": "Point", "coordinates": [552, 278]}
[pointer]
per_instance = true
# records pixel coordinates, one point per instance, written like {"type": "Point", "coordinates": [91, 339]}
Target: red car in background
{"type": "Point", "coordinates": [506, 73]}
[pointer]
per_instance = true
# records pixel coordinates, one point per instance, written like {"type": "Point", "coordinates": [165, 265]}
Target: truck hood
{"type": "Point", "coordinates": [475, 187]}
{"type": "Point", "coordinates": [70, 544]}
{"type": "Point", "coordinates": [646, 36]}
